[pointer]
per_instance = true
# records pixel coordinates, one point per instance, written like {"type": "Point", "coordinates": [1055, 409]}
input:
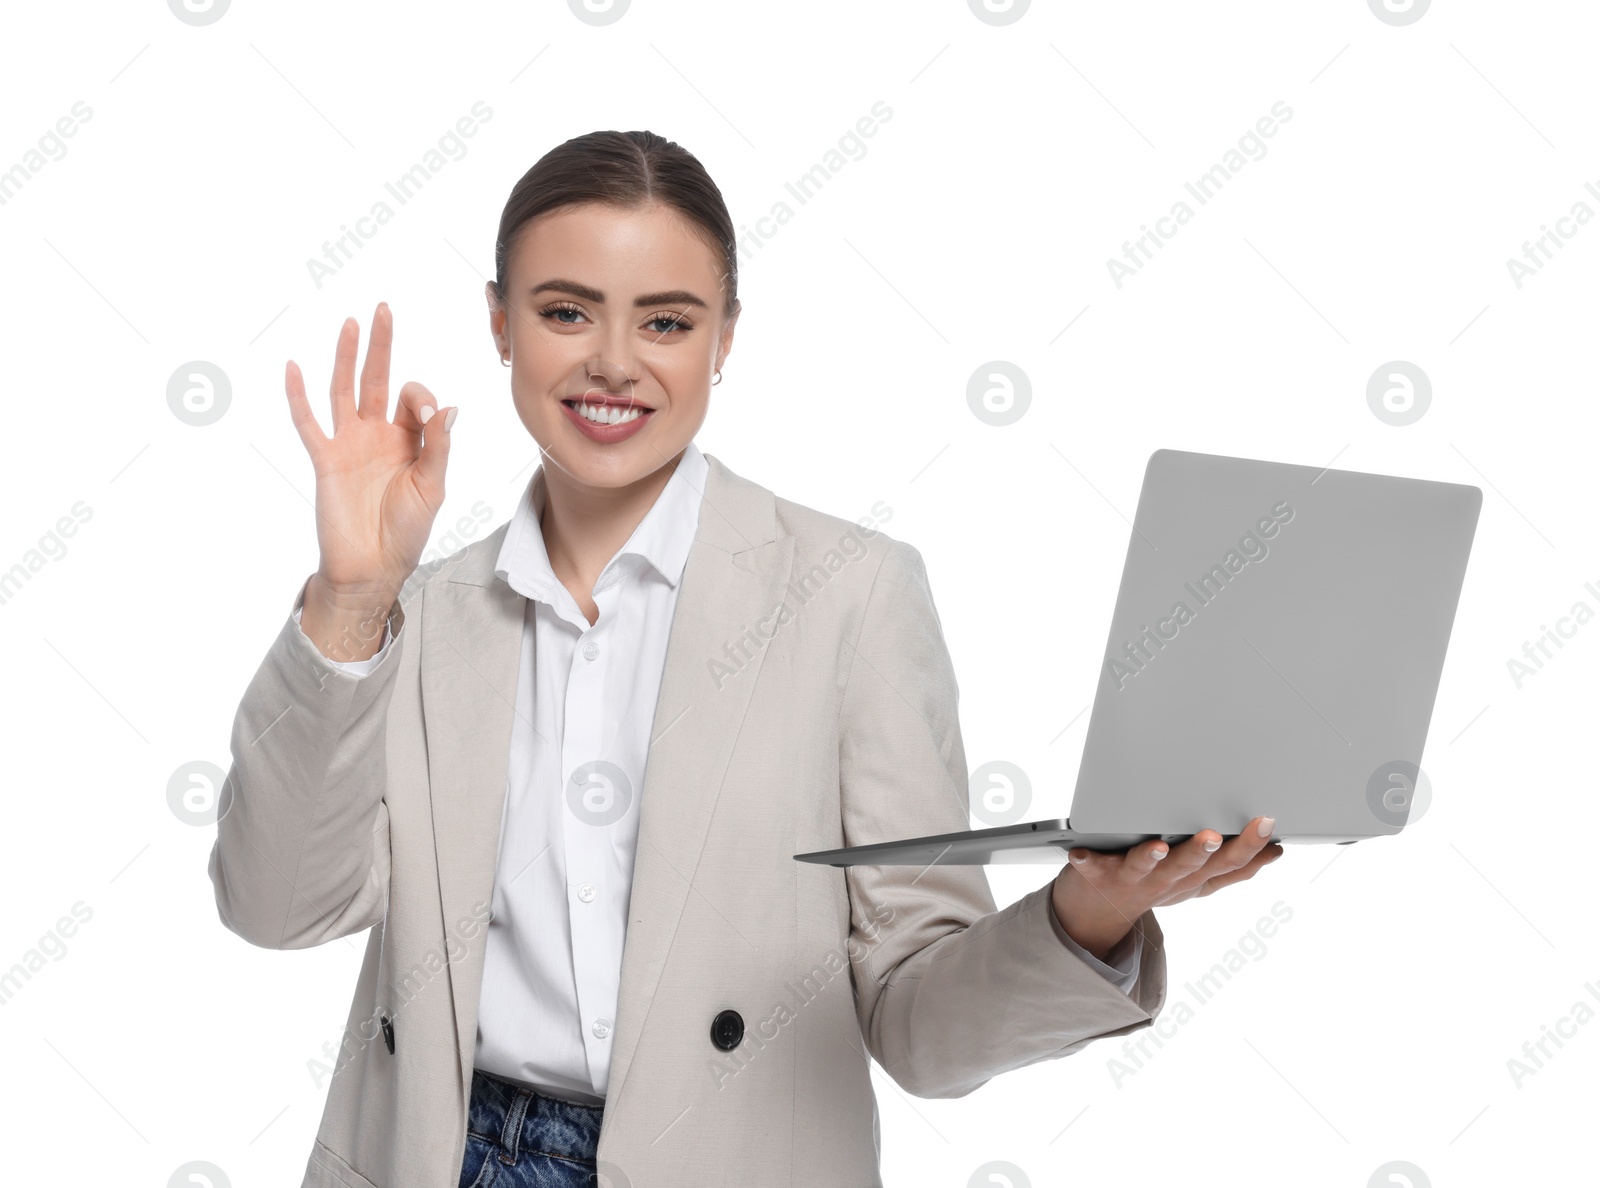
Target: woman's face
{"type": "Point", "coordinates": [620, 312]}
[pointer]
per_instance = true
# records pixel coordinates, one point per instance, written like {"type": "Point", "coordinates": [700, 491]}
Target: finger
{"type": "Point", "coordinates": [1207, 855]}
{"type": "Point", "coordinates": [1096, 867]}
{"type": "Point", "coordinates": [414, 397]}
{"type": "Point", "coordinates": [1141, 860]}
{"type": "Point", "coordinates": [418, 404]}
{"type": "Point", "coordinates": [1249, 870]}
{"type": "Point", "coordinates": [1193, 854]}
{"type": "Point", "coordinates": [1241, 849]}
{"type": "Point", "coordinates": [375, 371]}
{"type": "Point", "coordinates": [1130, 867]}
{"type": "Point", "coordinates": [341, 390]}
{"type": "Point", "coordinates": [305, 421]}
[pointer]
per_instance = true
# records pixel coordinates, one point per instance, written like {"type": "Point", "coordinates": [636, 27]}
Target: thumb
{"type": "Point", "coordinates": [435, 452]}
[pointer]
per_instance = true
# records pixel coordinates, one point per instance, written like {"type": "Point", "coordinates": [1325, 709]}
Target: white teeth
{"type": "Point", "coordinates": [610, 414]}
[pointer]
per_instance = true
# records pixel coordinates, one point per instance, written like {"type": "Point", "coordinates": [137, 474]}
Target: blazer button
{"type": "Point", "coordinates": [727, 1029]}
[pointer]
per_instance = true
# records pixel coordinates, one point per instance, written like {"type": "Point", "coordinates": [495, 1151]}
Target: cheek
{"type": "Point", "coordinates": [685, 366]}
{"type": "Point", "coordinates": [542, 364]}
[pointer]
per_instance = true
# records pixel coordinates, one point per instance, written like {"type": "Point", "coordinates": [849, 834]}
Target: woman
{"type": "Point", "coordinates": [587, 968]}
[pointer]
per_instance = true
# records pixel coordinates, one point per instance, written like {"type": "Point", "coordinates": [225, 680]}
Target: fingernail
{"type": "Point", "coordinates": [1265, 828]}
{"type": "Point", "coordinates": [1213, 845]}
{"type": "Point", "coordinates": [1079, 859]}
{"type": "Point", "coordinates": [1158, 854]}
{"type": "Point", "coordinates": [450, 419]}
{"type": "Point", "coordinates": [426, 413]}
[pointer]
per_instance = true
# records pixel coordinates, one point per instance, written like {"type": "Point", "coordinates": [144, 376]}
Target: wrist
{"type": "Point", "coordinates": [346, 623]}
{"type": "Point", "coordinates": [353, 598]}
{"type": "Point", "coordinates": [1093, 925]}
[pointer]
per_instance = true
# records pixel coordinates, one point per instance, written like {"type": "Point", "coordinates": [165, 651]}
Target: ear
{"type": "Point", "coordinates": [725, 344]}
{"type": "Point", "coordinates": [497, 320]}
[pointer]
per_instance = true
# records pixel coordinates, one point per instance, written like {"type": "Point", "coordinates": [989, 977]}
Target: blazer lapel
{"type": "Point", "coordinates": [735, 576]}
{"type": "Point", "coordinates": [470, 649]}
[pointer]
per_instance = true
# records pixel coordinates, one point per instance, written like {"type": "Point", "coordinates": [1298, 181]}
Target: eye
{"type": "Point", "coordinates": [552, 312]}
{"type": "Point", "coordinates": [673, 322]}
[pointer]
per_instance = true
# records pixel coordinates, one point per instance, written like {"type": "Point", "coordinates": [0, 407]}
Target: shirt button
{"type": "Point", "coordinates": [602, 1028]}
{"type": "Point", "coordinates": [591, 650]}
{"type": "Point", "coordinates": [586, 892]}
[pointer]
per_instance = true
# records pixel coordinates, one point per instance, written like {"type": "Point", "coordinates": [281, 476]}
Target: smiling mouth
{"type": "Point", "coordinates": [608, 410]}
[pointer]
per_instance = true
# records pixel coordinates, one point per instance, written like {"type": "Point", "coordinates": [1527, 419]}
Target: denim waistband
{"type": "Point", "coordinates": [519, 1119]}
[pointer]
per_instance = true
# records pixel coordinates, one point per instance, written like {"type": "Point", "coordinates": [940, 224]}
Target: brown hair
{"type": "Point", "coordinates": [623, 169]}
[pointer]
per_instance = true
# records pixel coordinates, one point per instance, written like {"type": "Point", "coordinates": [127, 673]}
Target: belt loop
{"type": "Point", "coordinates": [511, 1132]}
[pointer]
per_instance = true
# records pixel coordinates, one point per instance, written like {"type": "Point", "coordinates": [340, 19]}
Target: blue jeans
{"type": "Point", "coordinates": [517, 1138]}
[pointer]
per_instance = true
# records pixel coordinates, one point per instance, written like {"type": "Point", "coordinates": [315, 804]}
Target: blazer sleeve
{"type": "Point", "coordinates": [949, 991]}
{"type": "Point", "coordinates": [302, 849]}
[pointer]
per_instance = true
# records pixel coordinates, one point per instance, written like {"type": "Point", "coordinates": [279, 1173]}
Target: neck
{"type": "Point", "coordinates": [584, 525]}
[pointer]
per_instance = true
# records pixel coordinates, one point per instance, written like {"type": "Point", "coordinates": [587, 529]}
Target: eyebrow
{"type": "Point", "coordinates": [669, 297]}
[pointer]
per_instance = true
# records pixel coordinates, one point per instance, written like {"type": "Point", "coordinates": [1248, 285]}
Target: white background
{"type": "Point", "coordinates": [977, 226]}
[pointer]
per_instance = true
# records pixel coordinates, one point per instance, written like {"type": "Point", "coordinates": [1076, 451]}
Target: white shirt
{"type": "Point", "coordinates": [585, 707]}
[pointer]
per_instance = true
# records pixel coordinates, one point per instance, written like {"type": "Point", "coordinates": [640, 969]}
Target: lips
{"type": "Point", "coordinates": [608, 400]}
{"type": "Point", "coordinates": [606, 419]}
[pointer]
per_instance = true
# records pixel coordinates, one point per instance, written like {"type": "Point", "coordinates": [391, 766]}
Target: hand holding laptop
{"type": "Point", "coordinates": [1097, 897]}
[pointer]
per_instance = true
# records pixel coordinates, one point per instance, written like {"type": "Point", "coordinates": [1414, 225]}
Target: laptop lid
{"type": "Point", "coordinates": [1277, 643]}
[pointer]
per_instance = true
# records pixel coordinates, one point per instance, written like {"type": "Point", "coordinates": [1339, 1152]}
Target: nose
{"type": "Point", "coordinates": [602, 373]}
{"type": "Point", "coordinates": [613, 364]}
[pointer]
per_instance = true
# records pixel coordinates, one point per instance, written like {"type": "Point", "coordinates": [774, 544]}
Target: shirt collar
{"type": "Point", "coordinates": [662, 538]}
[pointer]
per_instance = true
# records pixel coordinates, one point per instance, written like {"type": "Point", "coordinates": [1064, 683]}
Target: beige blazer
{"type": "Point", "coordinates": [808, 702]}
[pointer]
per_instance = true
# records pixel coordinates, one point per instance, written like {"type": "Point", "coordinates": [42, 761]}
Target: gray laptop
{"type": "Point", "coordinates": [1275, 650]}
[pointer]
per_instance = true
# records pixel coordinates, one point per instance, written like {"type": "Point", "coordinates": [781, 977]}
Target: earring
{"type": "Point", "coordinates": [718, 380]}
{"type": "Point", "coordinates": [505, 361]}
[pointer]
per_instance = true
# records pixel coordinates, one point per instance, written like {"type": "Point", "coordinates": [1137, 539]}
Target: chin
{"type": "Point", "coordinates": [615, 465]}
